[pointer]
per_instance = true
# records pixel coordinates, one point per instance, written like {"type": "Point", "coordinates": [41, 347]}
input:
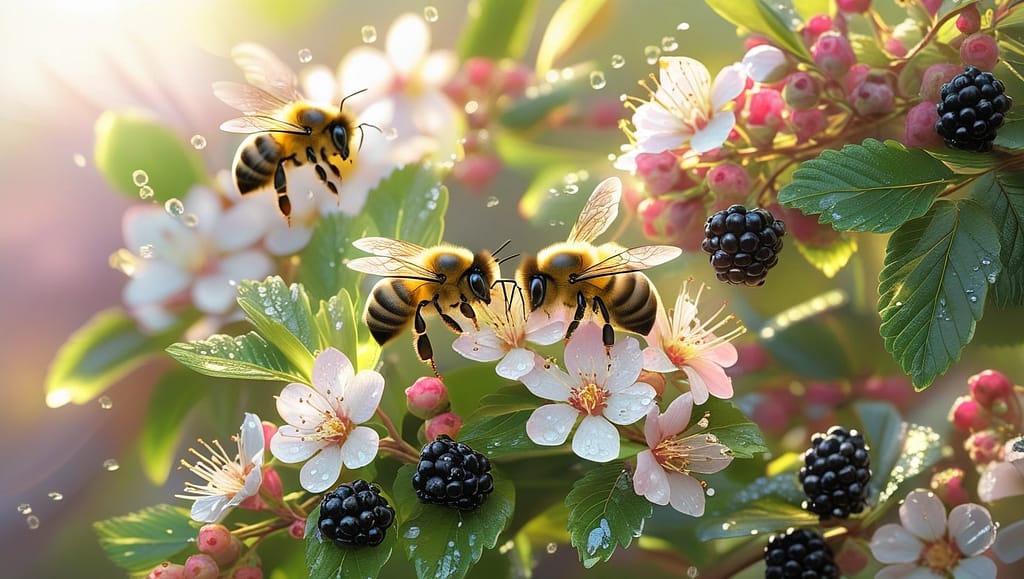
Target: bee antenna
{"type": "Point", "coordinates": [342, 105]}
{"type": "Point", "coordinates": [363, 133]}
{"type": "Point", "coordinates": [508, 257]}
{"type": "Point", "coordinates": [503, 246]}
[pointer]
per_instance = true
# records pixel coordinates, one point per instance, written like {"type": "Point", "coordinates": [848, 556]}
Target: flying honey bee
{"type": "Point", "coordinates": [445, 278]}
{"type": "Point", "coordinates": [283, 128]}
{"type": "Point", "coordinates": [575, 274]}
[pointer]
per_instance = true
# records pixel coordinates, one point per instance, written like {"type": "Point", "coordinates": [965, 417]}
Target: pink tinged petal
{"type": "Point", "coordinates": [972, 528]}
{"type": "Point", "coordinates": [407, 42]}
{"type": "Point", "coordinates": [656, 360]}
{"type": "Point", "coordinates": [482, 346]}
{"type": "Point", "coordinates": [681, 75]}
{"type": "Point", "coordinates": [360, 447]}
{"type": "Point", "coordinates": [975, 568]}
{"type": "Point", "coordinates": [155, 282]}
{"type": "Point", "coordinates": [729, 83]}
{"type": "Point", "coordinates": [713, 134]}
{"type": "Point", "coordinates": [365, 67]}
{"type": "Point", "coordinates": [650, 480]}
{"type": "Point", "coordinates": [713, 377]}
{"type": "Point", "coordinates": [709, 458]}
{"type": "Point", "coordinates": [924, 515]}
{"type": "Point", "coordinates": [331, 371]}
{"type": "Point", "coordinates": [907, 571]}
{"type": "Point", "coordinates": [630, 404]}
{"type": "Point", "coordinates": [213, 294]}
{"type": "Point", "coordinates": [998, 481]}
{"type": "Point", "coordinates": [321, 471]}
{"type": "Point", "coordinates": [725, 355]}
{"type": "Point", "coordinates": [362, 396]}
{"type": "Point", "coordinates": [676, 416]}
{"type": "Point", "coordinates": [652, 427]}
{"type": "Point", "coordinates": [596, 439]}
{"type": "Point", "coordinates": [210, 509]}
{"type": "Point", "coordinates": [687, 494]}
{"type": "Point", "coordinates": [585, 354]}
{"type": "Point", "coordinates": [627, 362]}
{"type": "Point", "coordinates": [550, 424]}
{"type": "Point", "coordinates": [547, 383]}
{"type": "Point", "coordinates": [302, 407]}
{"type": "Point", "coordinates": [1009, 545]}
{"type": "Point", "coordinates": [661, 142]}
{"type": "Point", "coordinates": [287, 445]}
{"type": "Point", "coordinates": [697, 386]}
{"type": "Point", "coordinates": [894, 544]}
{"type": "Point", "coordinates": [251, 442]}
{"type": "Point", "coordinates": [516, 364]}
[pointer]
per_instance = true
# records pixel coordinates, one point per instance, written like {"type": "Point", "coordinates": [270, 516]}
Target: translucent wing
{"type": "Point", "coordinates": [600, 211]}
{"type": "Point", "coordinates": [388, 247]}
{"type": "Point", "coordinates": [386, 266]}
{"type": "Point", "coordinates": [259, 124]}
{"type": "Point", "coordinates": [628, 260]}
{"type": "Point", "coordinates": [265, 71]}
{"type": "Point", "coordinates": [247, 98]}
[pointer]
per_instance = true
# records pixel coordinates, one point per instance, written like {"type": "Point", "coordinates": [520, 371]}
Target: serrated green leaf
{"type": "Point", "coordinates": [731, 427]}
{"type": "Point", "coordinates": [933, 286]}
{"type": "Point", "coordinates": [325, 560]}
{"type": "Point", "coordinates": [772, 19]}
{"type": "Point", "coordinates": [248, 357]}
{"type": "Point", "coordinates": [283, 316]}
{"type": "Point", "coordinates": [570, 21]}
{"type": "Point", "coordinates": [883, 430]}
{"type": "Point", "coordinates": [758, 517]}
{"type": "Point", "coordinates": [921, 448]}
{"type": "Point", "coordinates": [170, 404]}
{"type": "Point", "coordinates": [139, 541]}
{"type": "Point", "coordinates": [605, 512]}
{"type": "Point", "coordinates": [874, 186]}
{"type": "Point", "coordinates": [831, 258]}
{"type": "Point", "coordinates": [497, 29]}
{"type": "Point", "coordinates": [1011, 136]}
{"type": "Point", "coordinates": [498, 427]}
{"type": "Point", "coordinates": [410, 204]}
{"type": "Point", "coordinates": [127, 142]}
{"type": "Point", "coordinates": [445, 542]}
{"type": "Point", "coordinates": [964, 162]}
{"type": "Point", "coordinates": [1002, 195]}
{"type": "Point", "coordinates": [322, 268]}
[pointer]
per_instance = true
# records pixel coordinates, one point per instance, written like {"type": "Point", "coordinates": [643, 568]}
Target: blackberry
{"type": "Point", "coordinates": [744, 244]}
{"type": "Point", "coordinates": [798, 553]}
{"type": "Point", "coordinates": [355, 515]}
{"type": "Point", "coordinates": [973, 106]}
{"type": "Point", "coordinates": [835, 474]}
{"type": "Point", "coordinates": [453, 474]}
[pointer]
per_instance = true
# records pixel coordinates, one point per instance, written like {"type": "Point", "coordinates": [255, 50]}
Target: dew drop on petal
{"type": "Point", "coordinates": [551, 548]}
{"type": "Point", "coordinates": [79, 159]}
{"type": "Point", "coordinates": [198, 142]}
{"type": "Point", "coordinates": [111, 465]}
{"type": "Point", "coordinates": [618, 61]}
{"type": "Point", "coordinates": [305, 55]}
{"type": "Point", "coordinates": [32, 521]}
{"type": "Point", "coordinates": [146, 251]}
{"type": "Point", "coordinates": [190, 219]}
{"type": "Point", "coordinates": [145, 192]}
{"type": "Point", "coordinates": [597, 80]}
{"type": "Point", "coordinates": [493, 201]}
{"type": "Point", "coordinates": [174, 207]}
{"type": "Point", "coordinates": [24, 509]}
{"type": "Point", "coordinates": [430, 13]}
{"type": "Point", "coordinates": [140, 177]}
{"type": "Point", "coordinates": [54, 495]}
{"type": "Point", "coordinates": [651, 54]}
{"type": "Point", "coordinates": [369, 34]}
{"type": "Point", "coordinates": [105, 402]}
{"type": "Point", "coordinates": [669, 44]}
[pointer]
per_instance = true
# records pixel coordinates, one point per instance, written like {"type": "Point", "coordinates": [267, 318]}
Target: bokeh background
{"type": "Point", "coordinates": [62, 62]}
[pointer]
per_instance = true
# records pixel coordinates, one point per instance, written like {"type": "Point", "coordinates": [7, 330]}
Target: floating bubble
{"type": "Point", "coordinates": [190, 219]}
{"type": "Point", "coordinates": [651, 54]}
{"type": "Point", "coordinates": [24, 509]}
{"type": "Point", "coordinates": [145, 192]}
{"type": "Point", "coordinates": [105, 402]}
{"type": "Point", "coordinates": [369, 34]}
{"type": "Point", "coordinates": [692, 572]}
{"type": "Point", "coordinates": [146, 251]}
{"type": "Point", "coordinates": [305, 55]}
{"type": "Point", "coordinates": [618, 61]}
{"type": "Point", "coordinates": [710, 492]}
{"type": "Point", "coordinates": [174, 207]}
{"type": "Point", "coordinates": [54, 495]}
{"type": "Point", "coordinates": [123, 261]}
{"type": "Point", "coordinates": [493, 201]}
{"type": "Point", "coordinates": [683, 26]}
{"type": "Point", "coordinates": [140, 177]}
{"type": "Point", "coordinates": [111, 465]}
{"type": "Point", "coordinates": [198, 142]}
{"type": "Point", "coordinates": [571, 189]}
{"type": "Point", "coordinates": [430, 13]}
{"type": "Point", "coordinates": [669, 44]}
{"type": "Point", "coordinates": [79, 159]}
{"type": "Point", "coordinates": [32, 521]}
{"type": "Point", "coordinates": [597, 80]}
{"type": "Point", "coordinates": [551, 548]}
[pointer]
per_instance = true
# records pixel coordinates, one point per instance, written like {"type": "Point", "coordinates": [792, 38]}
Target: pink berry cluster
{"type": "Point", "coordinates": [427, 398]}
{"type": "Point", "coordinates": [221, 555]}
{"type": "Point", "coordinates": [989, 416]}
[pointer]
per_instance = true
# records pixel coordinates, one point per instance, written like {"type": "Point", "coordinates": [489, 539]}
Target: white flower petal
{"type": "Point", "coordinates": [907, 571]}
{"type": "Point", "coordinates": [286, 240]}
{"type": "Point", "coordinates": [656, 360]}
{"type": "Point", "coordinates": [251, 264]}
{"type": "Point", "coordinates": [155, 282]}
{"type": "Point", "coordinates": [975, 568]}
{"type": "Point", "coordinates": [365, 67]}
{"type": "Point", "coordinates": [209, 509]}
{"type": "Point", "coordinates": [683, 78]}
{"type": "Point", "coordinates": [652, 119]}
{"type": "Point", "coordinates": [155, 318]}
{"type": "Point", "coordinates": [687, 494]}
{"type": "Point", "coordinates": [438, 68]}
{"type": "Point", "coordinates": [650, 480]}
{"type": "Point", "coordinates": [331, 371]}
{"type": "Point", "coordinates": [547, 383]}
{"type": "Point", "coordinates": [243, 225]}
{"type": "Point", "coordinates": [729, 83]}
{"type": "Point", "coordinates": [214, 294]}
{"type": "Point", "coordinates": [586, 356]}
{"type": "Point", "coordinates": [544, 330]}
{"type": "Point", "coordinates": [596, 439]}
{"type": "Point", "coordinates": [676, 416]}
{"type": "Point", "coordinates": [998, 481]}
{"type": "Point", "coordinates": [407, 42]}
{"type": "Point", "coordinates": [288, 446]}
{"type": "Point", "coordinates": [763, 62]}
{"type": "Point", "coordinates": [550, 424]}
{"type": "Point", "coordinates": [630, 404]}
{"type": "Point", "coordinates": [649, 142]}
{"type": "Point", "coordinates": [652, 427]}
{"type": "Point", "coordinates": [894, 544]}
{"type": "Point", "coordinates": [516, 364]}
{"type": "Point", "coordinates": [206, 205]}
{"type": "Point", "coordinates": [971, 525]}
{"type": "Point", "coordinates": [627, 362]}
{"type": "Point", "coordinates": [362, 396]}
{"type": "Point", "coordinates": [321, 471]}
{"type": "Point", "coordinates": [714, 133]}
{"type": "Point", "coordinates": [302, 406]}
{"type": "Point", "coordinates": [1009, 545]}
{"type": "Point", "coordinates": [924, 515]}
{"type": "Point", "coordinates": [360, 447]}
{"type": "Point", "coordinates": [482, 346]}
{"type": "Point", "coordinates": [250, 442]}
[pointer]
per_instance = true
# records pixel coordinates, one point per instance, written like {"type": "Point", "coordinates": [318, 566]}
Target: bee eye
{"type": "Point", "coordinates": [538, 287]}
{"type": "Point", "coordinates": [339, 136]}
{"type": "Point", "coordinates": [478, 286]}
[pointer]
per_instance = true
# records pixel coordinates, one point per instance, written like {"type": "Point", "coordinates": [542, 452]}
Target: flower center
{"type": "Point", "coordinates": [334, 428]}
{"type": "Point", "coordinates": [940, 556]}
{"type": "Point", "coordinates": [589, 399]}
{"type": "Point", "coordinates": [672, 454]}
{"type": "Point", "coordinates": [681, 350]}
{"type": "Point", "coordinates": [223, 475]}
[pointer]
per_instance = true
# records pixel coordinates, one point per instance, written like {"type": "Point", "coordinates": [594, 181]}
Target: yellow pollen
{"type": "Point", "coordinates": [589, 399]}
{"type": "Point", "coordinates": [940, 556]}
{"type": "Point", "coordinates": [673, 454]}
{"type": "Point", "coordinates": [333, 428]}
{"type": "Point", "coordinates": [681, 350]}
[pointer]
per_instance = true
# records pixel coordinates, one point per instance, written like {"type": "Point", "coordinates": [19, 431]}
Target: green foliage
{"type": "Point", "coordinates": [965, 162]}
{"type": "Point", "coordinates": [547, 201]}
{"type": "Point", "coordinates": [322, 268]}
{"type": "Point", "coordinates": [175, 396]}
{"type": "Point", "coordinates": [572, 19]}
{"type": "Point", "coordinates": [409, 204]}
{"type": "Point", "coordinates": [1011, 136]}
{"type": "Point", "coordinates": [773, 19]}
{"type": "Point", "coordinates": [605, 512]}
{"type": "Point", "coordinates": [248, 357]}
{"type": "Point", "coordinates": [127, 142]}
{"type": "Point", "coordinates": [920, 448]}
{"type": "Point", "coordinates": [1002, 197]}
{"type": "Point", "coordinates": [933, 286]}
{"type": "Point", "coordinates": [327, 560]}
{"type": "Point", "coordinates": [283, 316]}
{"type": "Point", "coordinates": [874, 186]}
{"type": "Point", "coordinates": [139, 541]}
{"type": "Point", "coordinates": [498, 427]}
{"type": "Point", "coordinates": [830, 258]}
{"type": "Point", "coordinates": [761, 516]}
{"type": "Point", "coordinates": [883, 431]}
{"type": "Point", "coordinates": [528, 112]}
{"type": "Point", "coordinates": [497, 29]}
{"type": "Point", "coordinates": [732, 428]}
{"type": "Point", "coordinates": [445, 542]}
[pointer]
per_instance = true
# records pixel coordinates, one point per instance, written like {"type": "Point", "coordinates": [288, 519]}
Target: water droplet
{"type": "Point", "coordinates": [369, 34]}
{"type": "Point", "coordinates": [430, 13]}
{"type": "Point", "coordinates": [174, 207]}
{"type": "Point", "coordinates": [111, 465]}
{"type": "Point", "coordinates": [669, 44]}
{"type": "Point", "coordinates": [986, 262]}
{"type": "Point", "coordinates": [493, 201]}
{"type": "Point", "coordinates": [651, 54]}
{"type": "Point", "coordinates": [683, 26]}
{"type": "Point", "coordinates": [710, 492]}
{"type": "Point", "coordinates": [105, 402]}
{"type": "Point", "coordinates": [24, 509]}
{"type": "Point", "coordinates": [618, 61]}
{"type": "Point", "coordinates": [32, 521]}
{"type": "Point", "coordinates": [973, 299]}
{"type": "Point", "coordinates": [123, 261]}
{"type": "Point", "coordinates": [412, 533]}
{"type": "Point", "coordinates": [571, 189]}
{"type": "Point", "coordinates": [597, 80]}
{"type": "Point", "coordinates": [551, 548]}
{"type": "Point", "coordinates": [692, 572]}
{"type": "Point", "coordinates": [305, 55]}
{"type": "Point", "coordinates": [198, 142]}
{"type": "Point", "coordinates": [190, 219]}
{"type": "Point", "coordinates": [79, 159]}
{"type": "Point", "coordinates": [54, 495]}
{"type": "Point", "coordinates": [145, 192]}
{"type": "Point", "coordinates": [146, 251]}
{"type": "Point", "coordinates": [338, 325]}
{"type": "Point", "coordinates": [391, 134]}
{"type": "Point", "coordinates": [703, 422]}
{"type": "Point", "coordinates": [140, 177]}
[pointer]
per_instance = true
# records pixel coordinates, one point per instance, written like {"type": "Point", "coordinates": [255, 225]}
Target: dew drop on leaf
{"type": "Point", "coordinates": [683, 26]}
{"type": "Point", "coordinates": [692, 572]}
{"type": "Point", "coordinates": [551, 548]}
{"type": "Point", "coordinates": [111, 465]}
{"type": "Point", "coordinates": [140, 177]}
{"type": "Point", "coordinates": [305, 55]}
{"type": "Point", "coordinates": [105, 402]}
{"type": "Point", "coordinates": [145, 192]}
{"type": "Point", "coordinates": [669, 44]}
{"type": "Point", "coordinates": [198, 142]}
{"type": "Point", "coordinates": [174, 207]}
{"type": "Point", "coordinates": [369, 34]}
{"type": "Point", "coordinates": [597, 80]}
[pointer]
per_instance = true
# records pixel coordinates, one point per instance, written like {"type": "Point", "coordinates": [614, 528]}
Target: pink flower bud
{"type": "Point", "coordinates": [969, 20]}
{"type": "Point", "coordinates": [895, 46]}
{"type": "Point", "coordinates": [920, 127]}
{"type": "Point", "coordinates": [983, 447]}
{"type": "Point", "coordinates": [801, 91]}
{"type": "Point", "coordinates": [989, 386]}
{"type": "Point", "coordinates": [874, 96]}
{"type": "Point", "coordinates": [297, 530]}
{"type": "Point", "coordinates": [765, 109]}
{"type": "Point", "coordinates": [773, 411]}
{"type": "Point", "coordinates": [477, 171]}
{"type": "Point", "coordinates": [201, 566]}
{"type": "Point", "coordinates": [980, 50]}
{"type": "Point", "coordinates": [515, 79]}
{"type": "Point", "coordinates": [934, 77]}
{"type": "Point", "coordinates": [754, 40]}
{"type": "Point", "coordinates": [751, 357]}
{"type": "Point", "coordinates": [479, 71]}
{"type": "Point", "coordinates": [807, 124]}
{"type": "Point", "coordinates": [896, 389]}
{"type": "Point", "coordinates": [833, 55]}
{"type": "Point", "coordinates": [949, 486]}
{"type": "Point", "coordinates": [661, 173]}
{"type": "Point", "coordinates": [247, 573]}
{"type": "Point", "coordinates": [448, 423]}
{"type": "Point", "coordinates": [167, 570]}
{"type": "Point", "coordinates": [766, 63]}
{"type": "Point", "coordinates": [825, 393]}
{"type": "Point", "coordinates": [605, 114]}
{"type": "Point", "coordinates": [729, 180]}
{"type": "Point", "coordinates": [816, 26]}
{"type": "Point", "coordinates": [427, 397]}
{"type": "Point", "coordinates": [269, 430]}
{"type": "Point", "coordinates": [217, 542]}
{"type": "Point", "coordinates": [854, 6]}
{"type": "Point", "coordinates": [968, 416]}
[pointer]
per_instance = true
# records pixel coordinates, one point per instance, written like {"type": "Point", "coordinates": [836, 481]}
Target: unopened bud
{"type": "Point", "coordinates": [427, 397]}
{"type": "Point", "coordinates": [989, 387]}
{"type": "Point", "coordinates": [949, 486]}
{"type": "Point", "coordinates": [983, 447]}
{"type": "Point", "coordinates": [967, 415]}
{"type": "Point", "coordinates": [448, 423]}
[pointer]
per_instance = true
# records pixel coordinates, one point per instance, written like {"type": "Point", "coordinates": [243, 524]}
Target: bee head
{"type": "Point", "coordinates": [339, 138]}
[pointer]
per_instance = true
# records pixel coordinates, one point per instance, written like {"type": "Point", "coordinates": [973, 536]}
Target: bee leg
{"type": "Point", "coordinates": [424, 350]}
{"type": "Point", "coordinates": [467, 310]}
{"type": "Point", "coordinates": [310, 155]}
{"type": "Point", "coordinates": [581, 309]}
{"type": "Point", "coordinates": [607, 333]}
{"type": "Point", "coordinates": [448, 320]}
{"type": "Point", "coordinates": [284, 204]}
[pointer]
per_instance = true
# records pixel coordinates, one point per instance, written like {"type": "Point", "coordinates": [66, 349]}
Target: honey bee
{"type": "Point", "coordinates": [283, 128]}
{"type": "Point", "coordinates": [575, 274]}
{"type": "Point", "coordinates": [446, 278]}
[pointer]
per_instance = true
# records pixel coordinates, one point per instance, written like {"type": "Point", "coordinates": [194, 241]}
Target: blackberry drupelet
{"type": "Point", "coordinates": [799, 553]}
{"type": "Point", "coordinates": [835, 474]}
{"type": "Point", "coordinates": [355, 515]}
{"type": "Point", "coordinates": [973, 106]}
{"type": "Point", "coordinates": [744, 244]}
{"type": "Point", "coordinates": [453, 474]}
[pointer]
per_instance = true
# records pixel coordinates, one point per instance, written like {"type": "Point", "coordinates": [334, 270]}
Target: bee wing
{"type": "Point", "coordinates": [387, 266]}
{"type": "Point", "coordinates": [388, 247]}
{"type": "Point", "coordinates": [247, 98]}
{"type": "Point", "coordinates": [265, 71]}
{"type": "Point", "coordinates": [600, 211]}
{"type": "Point", "coordinates": [629, 260]}
{"type": "Point", "coordinates": [260, 124]}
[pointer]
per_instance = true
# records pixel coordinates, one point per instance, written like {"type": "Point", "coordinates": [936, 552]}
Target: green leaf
{"type": "Point", "coordinates": [283, 316]}
{"type": "Point", "coordinates": [139, 541]}
{"type": "Point", "coordinates": [732, 428]}
{"type": "Point", "coordinates": [247, 357]}
{"type": "Point", "coordinates": [571, 20]}
{"type": "Point", "coordinates": [97, 355]}
{"type": "Point", "coordinates": [127, 142]}
{"type": "Point", "coordinates": [337, 326]}
{"type": "Point", "coordinates": [830, 258]}
{"type": "Point", "coordinates": [921, 448]}
{"type": "Point", "coordinates": [529, 111]}
{"type": "Point", "coordinates": [883, 429]}
{"type": "Point", "coordinates": [758, 517]}
{"type": "Point", "coordinates": [326, 560]}
{"type": "Point", "coordinates": [605, 512]}
{"type": "Point", "coordinates": [933, 285]}
{"type": "Point", "coordinates": [773, 19]}
{"type": "Point", "coordinates": [874, 186]}
{"type": "Point", "coordinates": [498, 427]}
{"type": "Point", "coordinates": [1011, 136]}
{"type": "Point", "coordinates": [409, 204]}
{"type": "Point", "coordinates": [172, 400]}
{"type": "Point", "coordinates": [868, 51]}
{"type": "Point", "coordinates": [1002, 196]}
{"type": "Point", "coordinates": [322, 268]}
{"type": "Point", "coordinates": [445, 542]}
{"type": "Point", "coordinates": [497, 29]}
{"type": "Point", "coordinates": [965, 162]}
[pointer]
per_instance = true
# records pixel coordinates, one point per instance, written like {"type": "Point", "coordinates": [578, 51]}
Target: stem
{"type": "Point", "coordinates": [400, 448]}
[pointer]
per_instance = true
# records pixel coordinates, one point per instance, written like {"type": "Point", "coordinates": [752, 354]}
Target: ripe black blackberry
{"type": "Point", "coordinates": [798, 553]}
{"type": "Point", "coordinates": [972, 108]}
{"type": "Point", "coordinates": [744, 244]}
{"type": "Point", "coordinates": [355, 515]}
{"type": "Point", "coordinates": [453, 474]}
{"type": "Point", "coordinates": [835, 474]}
